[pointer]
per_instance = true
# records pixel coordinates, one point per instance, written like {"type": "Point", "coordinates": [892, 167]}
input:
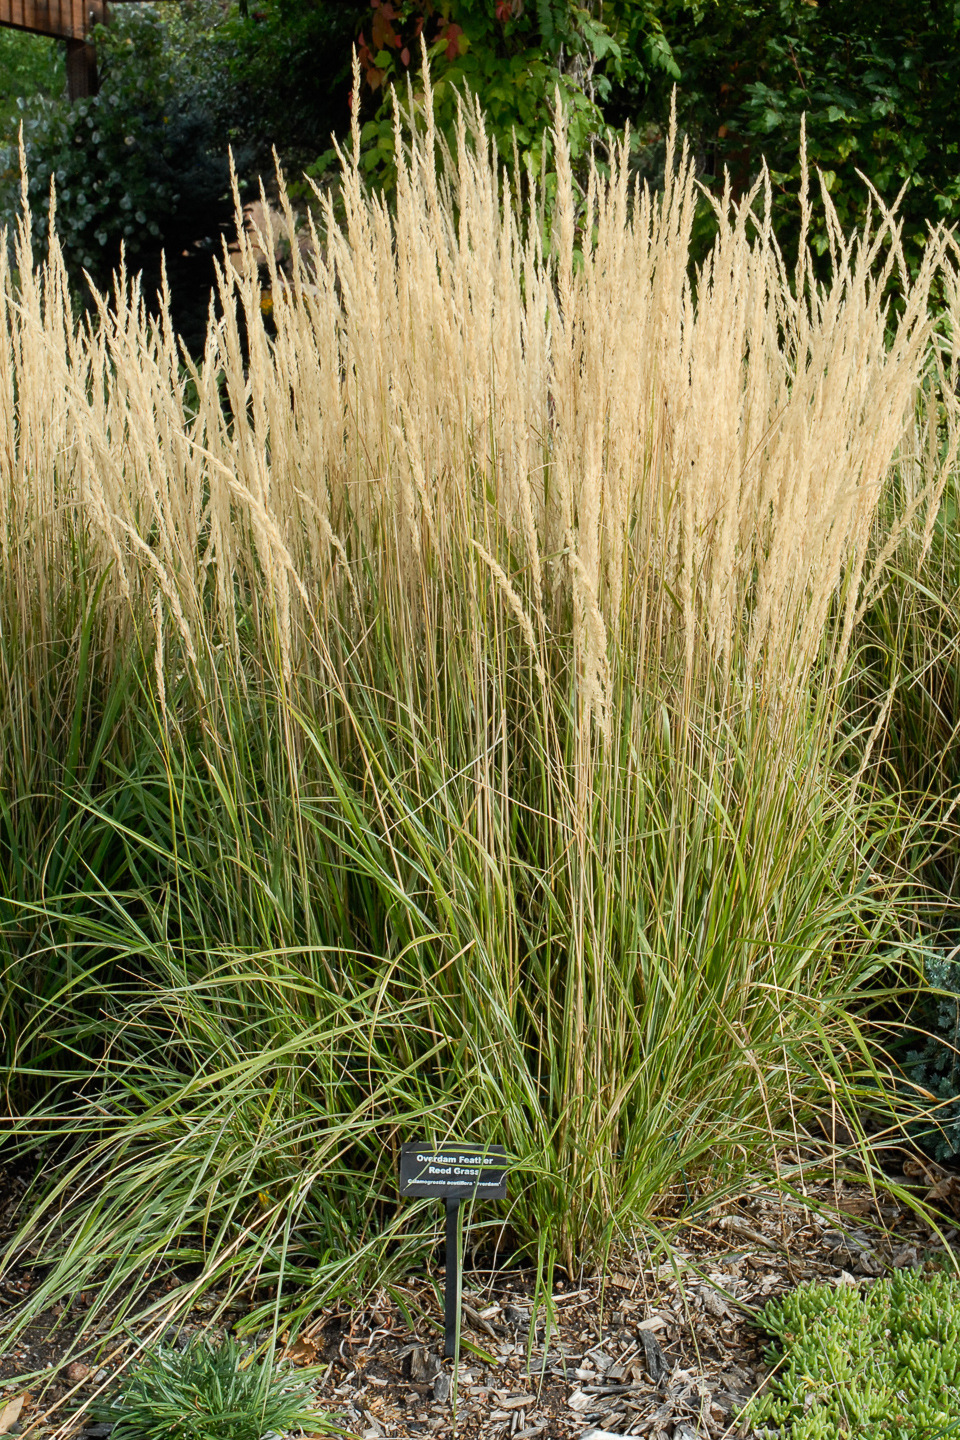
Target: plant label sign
{"type": "Point", "coordinates": [454, 1172]}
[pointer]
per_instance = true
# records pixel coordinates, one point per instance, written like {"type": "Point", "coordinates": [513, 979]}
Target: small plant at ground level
{"type": "Point", "coordinates": [881, 1363]}
{"type": "Point", "coordinates": [205, 1392]}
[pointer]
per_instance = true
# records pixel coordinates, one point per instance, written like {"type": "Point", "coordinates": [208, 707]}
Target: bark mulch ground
{"type": "Point", "coordinates": [670, 1351]}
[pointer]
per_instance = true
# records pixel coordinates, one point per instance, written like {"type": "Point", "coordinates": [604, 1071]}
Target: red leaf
{"type": "Point", "coordinates": [405, 55]}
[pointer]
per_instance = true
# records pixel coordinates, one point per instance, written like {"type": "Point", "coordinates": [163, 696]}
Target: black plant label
{"type": "Point", "coordinates": [453, 1171]}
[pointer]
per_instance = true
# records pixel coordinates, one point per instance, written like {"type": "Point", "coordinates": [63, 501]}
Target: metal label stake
{"type": "Point", "coordinates": [451, 1293]}
{"type": "Point", "coordinates": [453, 1173]}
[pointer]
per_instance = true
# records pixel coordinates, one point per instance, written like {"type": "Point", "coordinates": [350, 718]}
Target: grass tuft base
{"type": "Point", "coordinates": [207, 1392]}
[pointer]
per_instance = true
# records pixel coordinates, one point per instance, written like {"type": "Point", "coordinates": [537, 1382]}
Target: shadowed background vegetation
{"type": "Point", "coordinates": [143, 164]}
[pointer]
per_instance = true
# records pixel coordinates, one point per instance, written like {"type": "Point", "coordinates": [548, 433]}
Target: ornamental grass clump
{"type": "Point", "coordinates": [207, 1390]}
{"type": "Point", "coordinates": [881, 1362]}
{"type": "Point", "coordinates": [424, 717]}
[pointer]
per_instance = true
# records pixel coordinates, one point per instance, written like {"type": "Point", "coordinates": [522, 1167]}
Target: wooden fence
{"type": "Point", "coordinates": [69, 20]}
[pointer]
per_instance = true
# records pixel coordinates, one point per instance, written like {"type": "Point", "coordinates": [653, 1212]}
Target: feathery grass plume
{"type": "Point", "coordinates": [503, 595]}
{"type": "Point", "coordinates": [909, 619]}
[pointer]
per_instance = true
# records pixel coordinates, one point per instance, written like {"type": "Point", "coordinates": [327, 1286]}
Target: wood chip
{"type": "Point", "coordinates": [654, 1358]}
{"type": "Point", "coordinates": [302, 1351]}
{"type": "Point", "coordinates": [478, 1321]}
{"type": "Point", "coordinates": [10, 1414]}
{"type": "Point", "coordinates": [747, 1231]}
{"type": "Point", "coordinates": [947, 1191]}
{"type": "Point", "coordinates": [714, 1303]}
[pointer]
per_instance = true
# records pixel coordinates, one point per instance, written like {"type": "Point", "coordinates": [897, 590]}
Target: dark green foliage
{"type": "Point", "coordinates": [29, 65]}
{"type": "Point", "coordinates": [514, 56]}
{"type": "Point", "coordinates": [141, 165]}
{"type": "Point", "coordinates": [205, 1392]}
{"type": "Point", "coordinates": [877, 83]}
{"type": "Point", "coordinates": [289, 65]}
{"type": "Point", "coordinates": [936, 1065]}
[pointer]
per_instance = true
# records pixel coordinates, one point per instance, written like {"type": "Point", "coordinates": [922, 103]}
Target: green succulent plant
{"type": "Point", "coordinates": [881, 1363]}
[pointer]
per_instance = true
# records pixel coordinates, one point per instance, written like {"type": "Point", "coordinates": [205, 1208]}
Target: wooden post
{"type": "Point", "coordinates": [82, 77]}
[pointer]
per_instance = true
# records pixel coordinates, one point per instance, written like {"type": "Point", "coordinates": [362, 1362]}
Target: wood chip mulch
{"type": "Point", "coordinates": [670, 1351]}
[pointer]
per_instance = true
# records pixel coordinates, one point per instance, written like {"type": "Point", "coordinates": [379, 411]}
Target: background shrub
{"type": "Point", "coordinates": [143, 164]}
{"type": "Point", "coordinates": [875, 82]}
{"type": "Point", "coordinates": [29, 66]}
{"type": "Point", "coordinates": [183, 81]}
{"type": "Point", "coordinates": [289, 73]}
